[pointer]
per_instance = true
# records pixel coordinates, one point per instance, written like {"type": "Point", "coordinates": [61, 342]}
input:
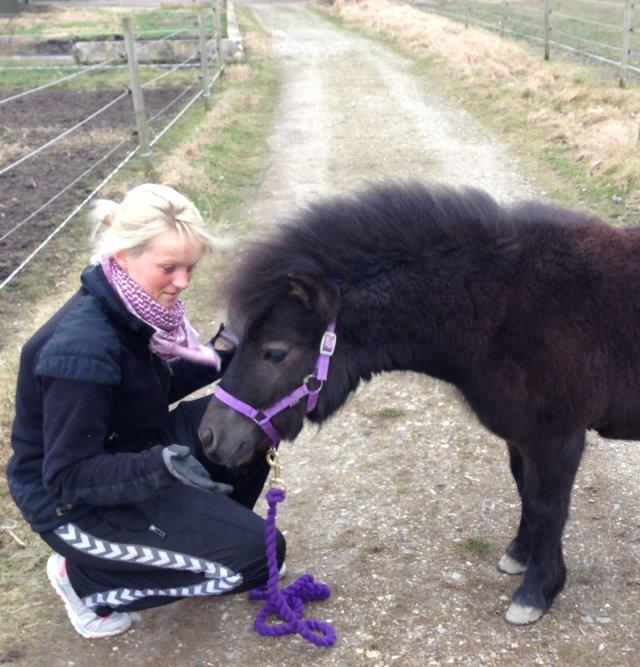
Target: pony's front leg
{"type": "Point", "coordinates": [548, 471]}
{"type": "Point", "coordinates": [514, 559]}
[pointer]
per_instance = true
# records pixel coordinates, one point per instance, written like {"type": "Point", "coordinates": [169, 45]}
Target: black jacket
{"type": "Point", "coordinates": [91, 409]}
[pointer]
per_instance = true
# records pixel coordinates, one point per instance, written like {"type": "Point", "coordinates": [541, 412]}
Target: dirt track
{"type": "Point", "coordinates": [381, 507]}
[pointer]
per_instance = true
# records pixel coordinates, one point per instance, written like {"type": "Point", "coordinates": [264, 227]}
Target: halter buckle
{"type": "Point", "coordinates": [328, 343]}
{"type": "Point", "coordinates": [308, 379]}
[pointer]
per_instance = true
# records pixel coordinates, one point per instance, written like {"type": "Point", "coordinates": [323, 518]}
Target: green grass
{"type": "Point", "coordinates": [154, 23]}
{"type": "Point", "coordinates": [475, 545]}
{"type": "Point", "coordinates": [389, 413]}
{"type": "Point", "coordinates": [17, 79]}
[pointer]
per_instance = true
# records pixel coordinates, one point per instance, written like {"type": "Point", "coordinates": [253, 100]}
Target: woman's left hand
{"type": "Point", "coordinates": [188, 470]}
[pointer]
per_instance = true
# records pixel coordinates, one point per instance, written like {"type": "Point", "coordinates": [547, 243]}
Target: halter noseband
{"type": "Point", "coordinates": [263, 417]}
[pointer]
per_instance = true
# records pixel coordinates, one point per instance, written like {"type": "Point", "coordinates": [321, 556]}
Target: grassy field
{"type": "Point", "coordinates": [584, 25]}
{"type": "Point", "coordinates": [18, 78]}
{"type": "Point", "coordinates": [79, 22]}
{"type": "Point", "coordinates": [216, 157]}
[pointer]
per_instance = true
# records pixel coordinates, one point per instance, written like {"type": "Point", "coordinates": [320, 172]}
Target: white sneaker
{"type": "Point", "coordinates": [86, 622]}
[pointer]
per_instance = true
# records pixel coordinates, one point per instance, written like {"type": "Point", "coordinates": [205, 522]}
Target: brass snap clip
{"type": "Point", "coordinates": [273, 459]}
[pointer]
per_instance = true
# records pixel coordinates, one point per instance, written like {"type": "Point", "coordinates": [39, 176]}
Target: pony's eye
{"type": "Point", "coordinates": [275, 355]}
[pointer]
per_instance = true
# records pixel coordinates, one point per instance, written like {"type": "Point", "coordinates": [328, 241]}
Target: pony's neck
{"type": "Point", "coordinates": [408, 325]}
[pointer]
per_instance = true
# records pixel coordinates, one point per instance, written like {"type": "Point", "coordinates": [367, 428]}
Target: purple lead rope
{"type": "Point", "coordinates": [288, 604]}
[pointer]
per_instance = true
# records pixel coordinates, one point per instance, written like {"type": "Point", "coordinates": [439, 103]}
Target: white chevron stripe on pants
{"type": "Point", "coordinates": [218, 578]}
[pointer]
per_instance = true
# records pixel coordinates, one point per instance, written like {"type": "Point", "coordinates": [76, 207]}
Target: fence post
{"type": "Point", "coordinates": [136, 89]}
{"type": "Point", "coordinates": [503, 17]}
{"type": "Point", "coordinates": [547, 28]}
{"type": "Point", "coordinates": [204, 60]}
{"type": "Point", "coordinates": [216, 13]}
{"type": "Point", "coordinates": [626, 41]}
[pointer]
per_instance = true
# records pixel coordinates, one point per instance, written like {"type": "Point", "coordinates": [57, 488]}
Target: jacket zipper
{"type": "Point", "coordinates": [157, 531]}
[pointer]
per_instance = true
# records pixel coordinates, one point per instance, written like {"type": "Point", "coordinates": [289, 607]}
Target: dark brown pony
{"type": "Point", "coordinates": [532, 312]}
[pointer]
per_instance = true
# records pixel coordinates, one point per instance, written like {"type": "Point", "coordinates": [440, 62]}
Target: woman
{"type": "Point", "coordinates": [115, 483]}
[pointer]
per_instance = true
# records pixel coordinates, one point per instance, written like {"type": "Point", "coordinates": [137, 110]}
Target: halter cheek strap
{"type": "Point", "coordinates": [263, 417]}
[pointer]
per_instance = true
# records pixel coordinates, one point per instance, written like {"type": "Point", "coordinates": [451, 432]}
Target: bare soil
{"type": "Point", "coordinates": [402, 502]}
{"type": "Point", "coordinates": [30, 122]}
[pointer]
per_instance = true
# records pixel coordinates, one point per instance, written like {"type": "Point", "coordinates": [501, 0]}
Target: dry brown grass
{"type": "Point", "coordinates": [105, 19]}
{"type": "Point", "coordinates": [596, 120]}
{"type": "Point", "coordinates": [239, 73]}
{"type": "Point", "coordinates": [256, 45]}
{"type": "Point", "coordinates": [180, 168]}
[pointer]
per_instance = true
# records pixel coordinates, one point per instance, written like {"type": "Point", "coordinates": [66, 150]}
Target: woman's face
{"type": "Point", "coordinates": [164, 268]}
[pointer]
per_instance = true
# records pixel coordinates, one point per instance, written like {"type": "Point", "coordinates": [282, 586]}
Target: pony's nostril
{"type": "Point", "coordinates": [206, 439]}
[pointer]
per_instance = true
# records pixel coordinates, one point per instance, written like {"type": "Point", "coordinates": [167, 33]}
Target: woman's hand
{"type": "Point", "coordinates": [188, 470]}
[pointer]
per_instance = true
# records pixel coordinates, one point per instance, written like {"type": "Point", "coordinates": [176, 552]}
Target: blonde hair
{"type": "Point", "coordinates": [145, 212]}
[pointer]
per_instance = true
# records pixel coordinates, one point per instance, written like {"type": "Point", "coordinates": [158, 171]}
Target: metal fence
{"type": "Point", "coordinates": [602, 30]}
{"type": "Point", "coordinates": [146, 127]}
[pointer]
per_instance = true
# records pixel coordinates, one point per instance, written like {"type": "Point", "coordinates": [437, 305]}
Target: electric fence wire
{"type": "Point", "coordinates": [71, 215]}
{"type": "Point", "coordinates": [86, 70]}
{"type": "Point", "coordinates": [98, 162]}
{"type": "Point", "coordinates": [185, 109]}
{"type": "Point", "coordinates": [598, 24]}
{"type": "Point", "coordinates": [56, 82]}
{"type": "Point", "coordinates": [68, 131]}
{"type": "Point", "coordinates": [470, 16]}
{"type": "Point", "coordinates": [569, 35]}
{"type": "Point", "coordinates": [104, 181]}
{"type": "Point", "coordinates": [169, 71]}
{"type": "Point", "coordinates": [171, 103]}
{"type": "Point", "coordinates": [127, 158]}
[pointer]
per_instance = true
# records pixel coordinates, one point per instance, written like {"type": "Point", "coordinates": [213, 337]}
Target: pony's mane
{"type": "Point", "coordinates": [351, 238]}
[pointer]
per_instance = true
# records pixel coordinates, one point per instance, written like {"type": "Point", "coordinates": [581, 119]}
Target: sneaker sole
{"type": "Point", "coordinates": [51, 574]}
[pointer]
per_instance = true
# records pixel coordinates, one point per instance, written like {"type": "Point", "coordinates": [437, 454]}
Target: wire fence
{"type": "Point", "coordinates": [602, 30]}
{"type": "Point", "coordinates": [78, 136]}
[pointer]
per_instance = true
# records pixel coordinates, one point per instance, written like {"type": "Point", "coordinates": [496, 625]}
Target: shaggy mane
{"type": "Point", "coordinates": [354, 237]}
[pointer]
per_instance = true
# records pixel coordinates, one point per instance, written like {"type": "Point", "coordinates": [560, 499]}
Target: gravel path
{"type": "Point", "coordinates": [403, 513]}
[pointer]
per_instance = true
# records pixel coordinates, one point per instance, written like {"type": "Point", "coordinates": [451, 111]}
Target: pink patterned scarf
{"type": "Point", "coordinates": [174, 336]}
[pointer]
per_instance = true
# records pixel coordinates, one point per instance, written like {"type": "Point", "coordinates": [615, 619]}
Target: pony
{"type": "Point", "coordinates": [532, 312]}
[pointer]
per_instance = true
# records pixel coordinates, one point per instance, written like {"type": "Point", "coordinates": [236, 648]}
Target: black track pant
{"type": "Point", "coordinates": [181, 543]}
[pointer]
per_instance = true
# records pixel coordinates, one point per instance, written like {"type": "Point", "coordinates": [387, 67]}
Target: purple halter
{"type": "Point", "coordinates": [288, 604]}
{"type": "Point", "coordinates": [263, 417]}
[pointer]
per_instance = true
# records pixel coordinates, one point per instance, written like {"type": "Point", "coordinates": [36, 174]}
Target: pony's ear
{"type": "Point", "coordinates": [316, 294]}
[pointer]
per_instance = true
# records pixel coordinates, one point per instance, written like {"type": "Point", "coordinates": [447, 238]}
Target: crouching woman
{"type": "Point", "coordinates": [111, 479]}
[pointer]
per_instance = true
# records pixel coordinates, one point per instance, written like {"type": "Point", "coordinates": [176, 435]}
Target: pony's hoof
{"type": "Point", "coordinates": [519, 614]}
{"type": "Point", "coordinates": [510, 565]}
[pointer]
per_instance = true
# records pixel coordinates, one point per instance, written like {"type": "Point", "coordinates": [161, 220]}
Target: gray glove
{"type": "Point", "coordinates": [188, 470]}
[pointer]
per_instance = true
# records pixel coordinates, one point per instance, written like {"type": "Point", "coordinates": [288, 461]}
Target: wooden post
{"type": "Point", "coordinates": [204, 60]}
{"type": "Point", "coordinates": [627, 22]}
{"type": "Point", "coordinates": [547, 28]}
{"type": "Point", "coordinates": [136, 89]}
{"type": "Point", "coordinates": [503, 17]}
{"type": "Point", "coordinates": [216, 14]}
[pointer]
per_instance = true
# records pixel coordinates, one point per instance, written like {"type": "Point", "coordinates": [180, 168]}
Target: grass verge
{"type": "Point", "coordinates": [216, 157]}
{"type": "Point", "coordinates": [574, 130]}
{"type": "Point", "coordinates": [73, 23]}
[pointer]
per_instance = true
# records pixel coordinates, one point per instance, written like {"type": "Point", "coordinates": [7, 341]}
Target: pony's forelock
{"type": "Point", "coordinates": [351, 238]}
